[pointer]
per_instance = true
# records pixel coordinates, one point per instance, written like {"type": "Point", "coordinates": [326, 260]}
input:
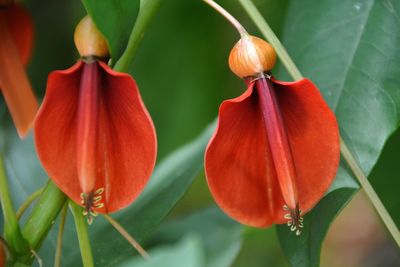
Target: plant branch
{"type": "Point", "coordinates": [12, 231]}
{"type": "Point", "coordinates": [83, 236]}
{"type": "Point", "coordinates": [258, 19]}
{"type": "Point", "coordinates": [370, 192]}
{"type": "Point", "coordinates": [43, 215]}
{"type": "Point", "coordinates": [25, 205]}
{"type": "Point", "coordinates": [57, 258]}
{"type": "Point", "coordinates": [242, 31]}
{"type": "Point", "coordinates": [146, 13]}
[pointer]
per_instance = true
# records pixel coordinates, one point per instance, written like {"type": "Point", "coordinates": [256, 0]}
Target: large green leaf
{"type": "Point", "coordinates": [187, 253]}
{"type": "Point", "coordinates": [385, 177]}
{"type": "Point", "coordinates": [220, 235]}
{"type": "Point", "coordinates": [115, 19]}
{"type": "Point", "coordinates": [351, 50]}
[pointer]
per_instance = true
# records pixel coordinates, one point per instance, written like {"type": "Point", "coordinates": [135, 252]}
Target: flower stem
{"type": "Point", "coordinates": [57, 258]}
{"type": "Point", "coordinates": [12, 231]}
{"type": "Point", "coordinates": [266, 30]}
{"type": "Point", "coordinates": [127, 236]}
{"type": "Point", "coordinates": [146, 12]}
{"type": "Point", "coordinates": [43, 215]}
{"type": "Point", "coordinates": [25, 205]}
{"type": "Point", "coordinates": [370, 192]}
{"type": "Point", "coordinates": [242, 31]}
{"type": "Point", "coordinates": [83, 236]}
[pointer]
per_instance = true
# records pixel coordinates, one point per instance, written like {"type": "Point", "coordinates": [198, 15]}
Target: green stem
{"type": "Point", "coordinates": [12, 231]}
{"type": "Point", "coordinates": [147, 10]}
{"type": "Point", "coordinates": [83, 236]}
{"type": "Point", "coordinates": [28, 202]}
{"type": "Point", "coordinates": [127, 236]}
{"type": "Point", "coordinates": [43, 215]}
{"type": "Point", "coordinates": [57, 258]}
{"type": "Point", "coordinates": [370, 192]}
{"type": "Point", "coordinates": [258, 19]}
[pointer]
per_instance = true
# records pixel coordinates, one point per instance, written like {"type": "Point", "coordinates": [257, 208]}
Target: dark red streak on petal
{"type": "Point", "coordinates": [88, 109]}
{"type": "Point", "coordinates": [278, 141]}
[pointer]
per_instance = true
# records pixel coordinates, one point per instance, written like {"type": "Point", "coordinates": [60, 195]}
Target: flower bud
{"type": "Point", "coordinates": [88, 40]}
{"type": "Point", "coordinates": [251, 56]}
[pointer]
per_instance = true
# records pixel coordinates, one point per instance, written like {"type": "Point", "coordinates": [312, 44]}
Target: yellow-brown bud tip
{"type": "Point", "coordinates": [251, 56]}
{"type": "Point", "coordinates": [88, 40]}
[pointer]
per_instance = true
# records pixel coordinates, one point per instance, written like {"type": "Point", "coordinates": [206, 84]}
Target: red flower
{"type": "Point", "coordinates": [94, 136]}
{"type": "Point", "coordinates": [276, 149]}
{"type": "Point", "coordinates": [16, 36]}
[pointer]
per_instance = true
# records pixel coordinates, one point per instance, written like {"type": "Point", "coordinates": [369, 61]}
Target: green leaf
{"type": "Point", "coordinates": [220, 235]}
{"type": "Point", "coordinates": [115, 20]}
{"type": "Point", "coordinates": [351, 50]}
{"type": "Point", "coordinates": [187, 252]}
{"type": "Point", "coordinates": [385, 177]}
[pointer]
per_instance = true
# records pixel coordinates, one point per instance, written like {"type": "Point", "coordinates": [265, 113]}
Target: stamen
{"type": "Point", "coordinates": [99, 191]}
{"type": "Point", "coordinates": [91, 201]}
{"type": "Point", "coordinates": [287, 216]}
{"type": "Point", "coordinates": [295, 222]}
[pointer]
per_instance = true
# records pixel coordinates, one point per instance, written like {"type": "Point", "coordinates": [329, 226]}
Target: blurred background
{"type": "Point", "coordinates": [182, 72]}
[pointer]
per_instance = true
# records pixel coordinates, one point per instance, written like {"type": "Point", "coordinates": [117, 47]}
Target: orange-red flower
{"type": "Point", "coordinates": [275, 151]}
{"type": "Point", "coordinates": [16, 36]}
{"type": "Point", "coordinates": [94, 136]}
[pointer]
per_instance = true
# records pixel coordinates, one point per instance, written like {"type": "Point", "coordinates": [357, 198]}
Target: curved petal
{"type": "Point", "coordinates": [238, 164]}
{"type": "Point", "coordinates": [126, 142]}
{"type": "Point", "coordinates": [56, 127]}
{"type": "Point", "coordinates": [314, 139]}
{"type": "Point", "coordinates": [21, 29]}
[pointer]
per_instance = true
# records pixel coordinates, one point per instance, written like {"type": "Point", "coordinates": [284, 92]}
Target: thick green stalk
{"type": "Point", "coordinates": [266, 30]}
{"type": "Point", "coordinates": [147, 10]}
{"type": "Point", "coordinates": [43, 215]}
{"type": "Point", "coordinates": [83, 236]}
{"type": "Point", "coordinates": [12, 232]}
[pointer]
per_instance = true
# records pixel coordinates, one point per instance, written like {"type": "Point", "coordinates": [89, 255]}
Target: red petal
{"type": "Point", "coordinates": [238, 164]}
{"type": "Point", "coordinates": [15, 86]}
{"type": "Point", "coordinates": [126, 143]}
{"type": "Point", "coordinates": [21, 29]}
{"type": "Point", "coordinates": [314, 139]}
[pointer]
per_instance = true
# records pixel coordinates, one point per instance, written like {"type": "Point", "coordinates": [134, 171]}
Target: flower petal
{"type": "Point", "coordinates": [56, 127]}
{"type": "Point", "coordinates": [314, 139]}
{"type": "Point", "coordinates": [126, 143]}
{"type": "Point", "coordinates": [16, 89]}
{"type": "Point", "coordinates": [238, 164]}
{"type": "Point", "coordinates": [128, 140]}
{"type": "Point", "coordinates": [20, 27]}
